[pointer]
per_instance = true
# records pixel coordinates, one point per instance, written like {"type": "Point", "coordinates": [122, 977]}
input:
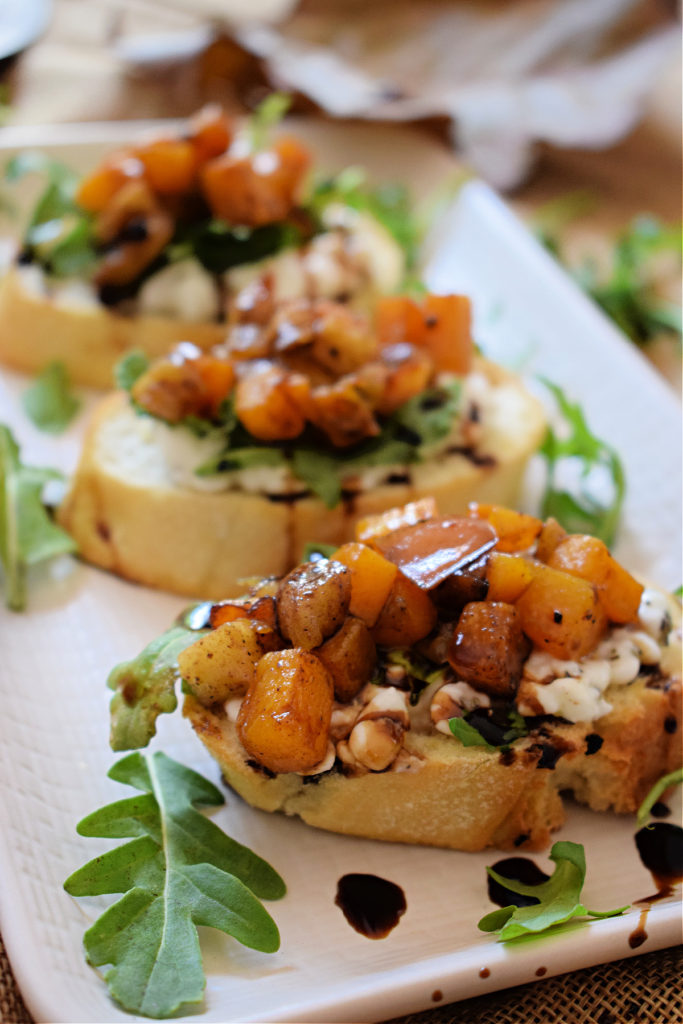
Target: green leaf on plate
{"type": "Point", "coordinates": [129, 368]}
{"type": "Point", "coordinates": [178, 871]}
{"type": "Point", "coordinates": [49, 402]}
{"type": "Point", "coordinates": [674, 778]}
{"type": "Point", "coordinates": [267, 115]}
{"type": "Point", "coordinates": [27, 533]}
{"type": "Point", "coordinates": [559, 898]}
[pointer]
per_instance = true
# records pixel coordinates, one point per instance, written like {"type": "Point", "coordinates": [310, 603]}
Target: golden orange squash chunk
{"type": "Point", "coordinates": [210, 131]}
{"type": "Point", "coordinates": [561, 614]}
{"type": "Point", "coordinates": [170, 165]}
{"type": "Point", "coordinates": [516, 530]}
{"type": "Point", "coordinates": [588, 557]}
{"type": "Point", "coordinates": [550, 536]}
{"type": "Point", "coordinates": [372, 577]}
{"type": "Point", "coordinates": [488, 648]}
{"type": "Point", "coordinates": [448, 332]}
{"type": "Point", "coordinates": [342, 413]}
{"type": "Point", "coordinates": [312, 602]}
{"type": "Point", "coordinates": [409, 375]}
{"type": "Point", "coordinates": [222, 663]}
{"type": "Point", "coordinates": [265, 405]}
{"type": "Point", "coordinates": [370, 527]}
{"type": "Point", "coordinates": [98, 189]}
{"type": "Point", "coordinates": [508, 576]}
{"type": "Point", "coordinates": [407, 616]}
{"type": "Point", "coordinates": [284, 720]}
{"type": "Point", "coordinates": [349, 656]}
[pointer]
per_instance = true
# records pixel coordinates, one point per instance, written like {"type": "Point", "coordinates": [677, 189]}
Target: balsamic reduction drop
{"type": "Point", "coordinates": [372, 905]}
{"type": "Point", "coordinates": [517, 869]}
{"type": "Point", "coordinates": [660, 846]}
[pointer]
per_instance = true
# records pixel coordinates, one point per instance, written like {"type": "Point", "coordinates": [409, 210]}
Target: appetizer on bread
{"type": "Point", "coordinates": [161, 241]}
{"type": "Point", "coordinates": [222, 464]}
{"type": "Point", "coordinates": [440, 680]}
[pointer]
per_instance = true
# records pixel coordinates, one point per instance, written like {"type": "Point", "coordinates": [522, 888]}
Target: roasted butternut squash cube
{"type": "Point", "coordinates": [284, 720]}
{"type": "Point", "coordinates": [561, 614]}
{"type": "Point", "coordinates": [550, 536]}
{"type": "Point", "coordinates": [372, 577]}
{"type": "Point", "coordinates": [398, 318]}
{"type": "Point", "coordinates": [488, 648]}
{"type": "Point", "coordinates": [370, 527]}
{"type": "Point", "coordinates": [588, 557]}
{"type": "Point", "coordinates": [508, 576]}
{"type": "Point", "coordinates": [448, 332]}
{"type": "Point", "coordinates": [227, 611]}
{"type": "Point", "coordinates": [407, 616]}
{"type": "Point", "coordinates": [516, 530]}
{"type": "Point", "coordinates": [313, 601]}
{"type": "Point", "coordinates": [342, 413]}
{"type": "Point", "coordinates": [97, 190]}
{"type": "Point", "coordinates": [429, 552]}
{"type": "Point", "coordinates": [349, 656]}
{"type": "Point", "coordinates": [222, 663]}
{"type": "Point", "coordinates": [217, 377]}
{"type": "Point", "coordinates": [410, 371]}
{"type": "Point", "coordinates": [210, 131]}
{"type": "Point", "coordinates": [170, 165]}
{"type": "Point", "coordinates": [265, 406]}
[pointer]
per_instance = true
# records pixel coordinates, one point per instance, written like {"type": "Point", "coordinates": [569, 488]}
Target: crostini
{"type": "Point", "coordinates": [439, 680]}
{"type": "Point", "coordinates": [222, 465]}
{"type": "Point", "coordinates": [161, 240]}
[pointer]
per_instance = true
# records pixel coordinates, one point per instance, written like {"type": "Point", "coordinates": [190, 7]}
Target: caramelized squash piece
{"type": "Point", "coordinates": [516, 530]}
{"type": "Point", "coordinates": [266, 404]}
{"type": "Point", "coordinates": [410, 373]}
{"type": "Point", "coordinates": [313, 601]}
{"type": "Point", "coordinates": [550, 536]}
{"type": "Point", "coordinates": [431, 551]}
{"type": "Point", "coordinates": [488, 648]}
{"type": "Point", "coordinates": [349, 656]}
{"type": "Point", "coordinates": [508, 576]}
{"type": "Point", "coordinates": [372, 577]}
{"type": "Point", "coordinates": [588, 557]}
{"type": "Point", "coordinates": [97, 190]}
{"type": "Point", "coordinates": [342, 413]}
{"type": "Point", "coordinates": [371, 527]}
{"type": "Point", "coordinates": [408, 615]}
{"type": "Point", "coordinates": [284, 720]}
{"type": "Point", "coordinates": [561, 614]}
{"type": "Point", "coordinates": [222, 663]}
{"type": "Point", "coordinates": [441, 325]}
{"type": "Point", "coordinates": [170, 165]}
{"type": "Point", "coordinates": [210, 132]}
{"type": "Point", "coordinates": [398, 318]}
{"type": "Point", "coordinates": [262, 609]}
{"type": "Point", "coordinates": [170, 389]}
{"type": "Point", "coordinates": [341, 341]}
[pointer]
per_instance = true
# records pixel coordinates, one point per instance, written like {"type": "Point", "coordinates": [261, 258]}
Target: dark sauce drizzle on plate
{"type": "Point", "coordinates": [372, 905]}
{"type": "Point", "coordinates": [517, 869]}
{"type": "Point", "coordinates": [660, 846]}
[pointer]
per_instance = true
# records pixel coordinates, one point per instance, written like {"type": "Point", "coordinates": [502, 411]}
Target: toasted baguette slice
{"type": "Point", "coordinates": [88, 339]}
{"type": "Point", "coordinates": [128, 516]}
{"type": "Point", "coordinates": [440, 793]}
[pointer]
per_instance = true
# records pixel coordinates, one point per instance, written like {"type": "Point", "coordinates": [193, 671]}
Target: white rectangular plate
{"type": "Point", "coordinates": [55, 658]}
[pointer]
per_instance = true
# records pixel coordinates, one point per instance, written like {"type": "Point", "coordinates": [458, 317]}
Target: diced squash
{"type": "Point", "coordinates": [210, 132]}
{"type": "Point", "coordinates": [409, 375]}
{"type": "Point", "coordinates": [97, 190]}
{"type": "Point", "coordinates": [372, 577]}
{"type": "Point", "coordinates": [508, 576]}
{"type": "Point", "coordinates": [313, 601]}
{"type": "Point", "coordinates": [589, 558]}
{"type": "Point", "coordinates": [217, 377]}
{"type": "Point", "coordinates": [516, 530]}
{"type": "Point", "coordinates": [342, 413]}
{"type": "Point", "coordinates": [429, 552]}
{"type": "Point", "coordinates": [561, 614]}
{"type": "Point", "coordinates": [284, 720]}
{"type": "Point", "coordinates": [341, 342]}
{"type": "Point", "coordinates": [170, 390]}
{"type": "Point", "coordinates": [170, 165]}
{"type": "Point", "coordinates": [407, 616]}
{"type": "Point", "coordinates": [404, 515]}
{"type": "Point", "coordinates": [222, 663]}
{"type": "Point", "coordinates": [448, 332]}
{"type": "Point", "coordinates": [264, 405]}
{"type": "Point", "coordinates": [349, 656]}
{"type": "Point", "coordinates": [398, 318]}
{"type": "Point", "coordinates": [488, 648]}
{"type": "Point", "coordinates": [227, 611]}
{"type": "Point", "coordinates": [550, 536]}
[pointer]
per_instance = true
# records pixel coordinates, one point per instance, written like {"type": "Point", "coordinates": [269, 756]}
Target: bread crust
{"type": "Point", "coordinates": [203, 544]}
{"type": "Point", "coordinates": [441, 793]}
{"type": "Point", "coordinates": [89, 341]}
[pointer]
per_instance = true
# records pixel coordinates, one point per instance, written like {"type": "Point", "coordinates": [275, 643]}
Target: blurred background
{"type": "Point", "coordinates": [570, 107]}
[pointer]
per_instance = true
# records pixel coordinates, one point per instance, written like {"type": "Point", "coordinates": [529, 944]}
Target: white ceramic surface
{"type": "Point", "coordinates": [54, 722]}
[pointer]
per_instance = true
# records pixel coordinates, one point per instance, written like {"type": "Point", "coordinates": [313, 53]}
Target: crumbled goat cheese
{"type": "Point", "coordinates": [183, 290]}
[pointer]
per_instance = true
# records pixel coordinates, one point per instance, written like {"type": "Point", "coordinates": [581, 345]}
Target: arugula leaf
{"type": "Point", "coordinates": [268, 113]}
{"type": "Point", "coordinates": [674, 778]}
{"type": "Point", "coordinates": [678, 592]}
{"type": "Point", "coordinates": [241, 458]}
{"type": "Point", "coordinates": [219, 246]}
{"type": "Point", "coordinates": [27, 534]}
{"type": "Point", "coordinates": [559, 898]}
{"type": "Point", "coordinates": [145, 688]}
{"type": "Point", "coordinates": [179, 871]}
{"type": "Point", "coordinates": [583, 511]}
{"type": "Point", "coordinates": [49, 402]}
{"type": "Point", "coordinates": [129, 368]}
{"type": "Point", "coordinates": [467, 734]}
{"type": "Point", "coordinates": [312, 552]}
{"type": "Point", "coordinates": [431, 414]}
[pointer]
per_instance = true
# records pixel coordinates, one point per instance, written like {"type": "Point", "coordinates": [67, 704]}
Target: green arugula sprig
{"type": "Point", "coordinates": [27, 534]}
{"type": "Point", "coordinates": [674, 778]}
{"type": "Point", "coordinates": [49, 402]}
{"type": "Point", "coordinates": [178, 871]}
{"type": "Point", "coordinates": [470, 736]}
{"type": "Point", "coordinates": [581, 511]}
{"type": "Point", "coordinates": [558, 898]}
{"type": "Point", "coordinates": [266, 116]}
